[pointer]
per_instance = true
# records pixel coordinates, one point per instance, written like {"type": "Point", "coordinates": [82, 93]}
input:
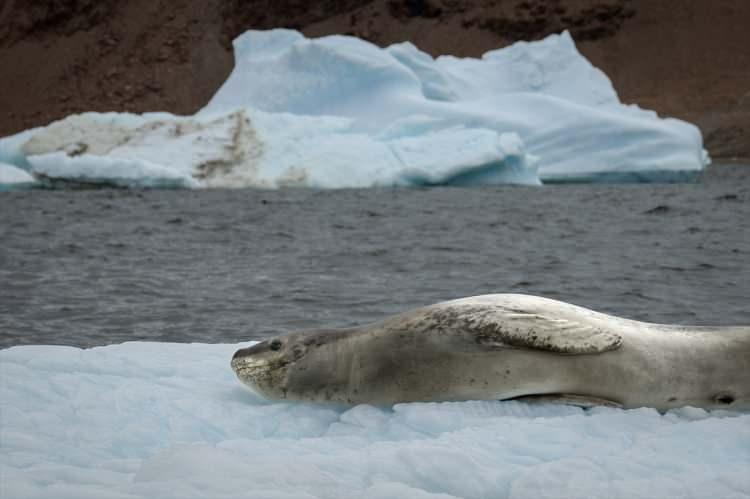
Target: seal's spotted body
{"type": "Point", "coordinates": [501, 347]}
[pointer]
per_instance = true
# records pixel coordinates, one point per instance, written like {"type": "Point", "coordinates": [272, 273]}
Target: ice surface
{"type": "Point", "coordinates": [340, 112]}
{"type": "Point", "coordinates": [10, 148]}
{"type": "Point", "coordinates": [12, 177]}
{"type": "Point", "coordinates": [170, 420]}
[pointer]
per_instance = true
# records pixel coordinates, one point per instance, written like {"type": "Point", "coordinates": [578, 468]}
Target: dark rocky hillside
{"type": "Point", "coordinates": [684, 58]}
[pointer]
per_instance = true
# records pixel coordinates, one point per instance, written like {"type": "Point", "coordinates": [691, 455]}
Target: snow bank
{"type": "Point", "coordinates": [340, 112]}
{"type": "Point", "coordinates": [170, 420]}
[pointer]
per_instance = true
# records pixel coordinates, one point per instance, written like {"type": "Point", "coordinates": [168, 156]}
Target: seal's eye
{"type": "Point", "coordinates": [275, 345]}
{"type": "Point", "coordinates": [724, 398]}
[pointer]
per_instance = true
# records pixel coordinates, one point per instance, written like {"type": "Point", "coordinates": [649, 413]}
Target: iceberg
{"type": "Point", "coordinates": [250, 148]}
{"type": "Point", "coordinates": [337, 112]}
{"type": "Point", "coordinates": [142, 420]}
{"type": "Point", "coordinates": [565, 110]}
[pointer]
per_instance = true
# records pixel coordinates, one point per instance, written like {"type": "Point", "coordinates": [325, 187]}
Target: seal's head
{"type": "Point", "coordinates": [264, 366]}
{"type": "Point", "coordinates": [290, 366]}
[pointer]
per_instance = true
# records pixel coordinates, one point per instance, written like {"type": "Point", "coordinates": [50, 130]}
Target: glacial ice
{"type": "Point", "coordinates": [565, 110]}
{"type": "Point", "coordinates": [340, 112]}
{"type": "Point", "coordinates": [143, 420]}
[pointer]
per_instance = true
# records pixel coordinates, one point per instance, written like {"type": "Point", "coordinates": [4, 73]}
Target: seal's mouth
{"type": "Point", "coordinates": [248, 365]}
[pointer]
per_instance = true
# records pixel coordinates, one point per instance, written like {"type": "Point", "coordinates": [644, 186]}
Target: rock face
{"type": "Point", "coordinates": [685, 58]}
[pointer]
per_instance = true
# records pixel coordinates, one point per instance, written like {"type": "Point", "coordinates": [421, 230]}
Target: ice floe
{"type": "Point", "coordinates": [143, 420]}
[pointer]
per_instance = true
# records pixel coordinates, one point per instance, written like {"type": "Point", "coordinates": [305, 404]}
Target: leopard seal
{"type": "Point", "coordinates": [506, 346]}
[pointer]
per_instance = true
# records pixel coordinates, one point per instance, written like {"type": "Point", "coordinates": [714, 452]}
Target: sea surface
{"type": "Point", "coordinates": [89, 268]}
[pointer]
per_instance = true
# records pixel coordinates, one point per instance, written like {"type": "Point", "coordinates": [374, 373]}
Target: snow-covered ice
{"type": "Point", "coordinates": [340, 112]}
{"type": "Point", "coordinates": [170, 420]}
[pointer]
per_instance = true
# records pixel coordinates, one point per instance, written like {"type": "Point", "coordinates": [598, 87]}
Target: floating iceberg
{"type": "Point", "coordinates": [143, 420]}
{"type": "Point", "coordinates": [564, 109]}
{"type": "Point", "coordinates": [251, 148]}
{"type": "Point", "coordinates": [340, 112]}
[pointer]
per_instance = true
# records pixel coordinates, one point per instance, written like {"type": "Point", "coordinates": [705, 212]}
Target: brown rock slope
{"type": "Point", "coordinates": [684, 58]}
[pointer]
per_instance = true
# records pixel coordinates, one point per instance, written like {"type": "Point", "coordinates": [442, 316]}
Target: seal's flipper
{"type": "Point", "coordinates": [583, 401]}
{"type": "Point", "coordinates": [499, 327]}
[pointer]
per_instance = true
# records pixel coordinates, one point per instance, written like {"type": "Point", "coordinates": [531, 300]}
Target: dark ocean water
{"type": "Point", "coordinates": [90, 268]}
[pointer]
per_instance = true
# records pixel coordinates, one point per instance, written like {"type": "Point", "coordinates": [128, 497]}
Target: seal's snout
{"type": "Point", "coordinates": [246, 353]}
{"type": "Point", "coordinates": [244, 356]}
{"type": "Point", "coordinates": [262, 367]}
{"type": "Point", "coordinates": [257, 359]}
{"type": "Point", "coordinates": [242, 352]}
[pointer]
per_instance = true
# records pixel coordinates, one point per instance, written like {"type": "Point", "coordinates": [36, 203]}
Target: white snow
{"type": "Point", "coordinates": [340, 112]}
{"type": "Point", "coordinates": [144, 420]}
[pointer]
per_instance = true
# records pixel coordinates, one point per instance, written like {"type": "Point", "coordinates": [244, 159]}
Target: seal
{"type": "Point", "coordinates": [506, 346]}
